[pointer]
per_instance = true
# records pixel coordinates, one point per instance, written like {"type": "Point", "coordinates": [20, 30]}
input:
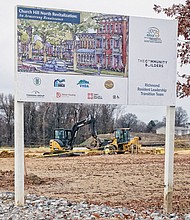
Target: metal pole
{"type": "Point", "coordinates": [19, 153]}
{"type": "Point", "coordinates": [169, 159]}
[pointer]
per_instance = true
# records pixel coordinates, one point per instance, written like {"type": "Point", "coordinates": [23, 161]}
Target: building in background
{"type": "Point", "coordinates": [178, 130]}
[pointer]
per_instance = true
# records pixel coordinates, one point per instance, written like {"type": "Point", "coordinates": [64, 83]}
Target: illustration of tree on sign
{"type": "Point", "coordinates": [38, 46]}
{"type": "Point", "coordinates": [47, 31]}
{"type": "Point", "coordinates": [181, 12]}
{"type": "Point", "coordinates": [44, 30]}
{"type": "Point", "coordinates": [23, 39]}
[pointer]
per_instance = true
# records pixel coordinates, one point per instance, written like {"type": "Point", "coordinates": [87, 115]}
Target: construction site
{"type": "Point", "coordinates": [127, 173]}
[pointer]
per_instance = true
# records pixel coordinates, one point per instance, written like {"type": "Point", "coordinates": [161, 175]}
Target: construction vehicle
{"type": "Point", "coordinates": [122, 142]}
{"type": "Point", "coordinates": [64, 139]}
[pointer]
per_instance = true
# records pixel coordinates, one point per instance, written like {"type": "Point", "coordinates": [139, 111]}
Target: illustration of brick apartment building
{"type": "Point", "coordinates": [107, 47]}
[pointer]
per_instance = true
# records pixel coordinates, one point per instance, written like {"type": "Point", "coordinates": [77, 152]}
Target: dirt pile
{"type": "Point", "coordinates": [6, 154]}
{"type": "Point", "coordinates": [7, 179]}
{"type": "Point", "coordinates": [147, 139]}
{"type": "Point", "coordinates": [33, 179]}
{"type": "Point", "coordinates": [182, 143]}
{"type": "Point", "coordinates": [28, 152]}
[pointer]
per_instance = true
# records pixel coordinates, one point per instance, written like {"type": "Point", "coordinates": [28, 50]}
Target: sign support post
{"type": "Point", "coordinates": [19, 153]}
{"type": "Point", "coordinates": [169, 159]}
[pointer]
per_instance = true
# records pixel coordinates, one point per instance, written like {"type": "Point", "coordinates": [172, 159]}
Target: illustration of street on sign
{"type": "Point", "coordinates": [71, 43]}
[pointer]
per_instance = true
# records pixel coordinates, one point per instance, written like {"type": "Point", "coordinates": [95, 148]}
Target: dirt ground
{"type": "Point", "coordinates": [132, 181]}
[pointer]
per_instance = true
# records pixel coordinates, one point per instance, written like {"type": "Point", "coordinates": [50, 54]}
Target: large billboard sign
{"type": "Point", "coordinates": [87, 57]}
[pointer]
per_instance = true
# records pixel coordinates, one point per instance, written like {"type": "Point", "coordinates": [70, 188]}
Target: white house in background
{"type": "Point", "coordinates": [178, 130]}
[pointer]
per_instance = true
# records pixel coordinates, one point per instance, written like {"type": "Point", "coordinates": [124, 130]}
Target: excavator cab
{"type": "Point", "coordinates": [64, 135]}
{"type": "Point", "coordinates": [122, 135]}
{"type": "Point", "coordinates": [59, 141]}
{"type": "Point", "coordinates": [122, 142]}
{"type": "Point", "coordinates": [122, 138]}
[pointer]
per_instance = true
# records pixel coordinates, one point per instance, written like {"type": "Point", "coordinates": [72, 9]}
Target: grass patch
{"type": "Point", "coordinates": [89, 71]}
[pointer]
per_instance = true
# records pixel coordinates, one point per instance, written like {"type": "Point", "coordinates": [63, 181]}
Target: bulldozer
{"type": "Point", "coordinates": [122, 142]}
{"type": "Point", "coordinates": [64, 139]}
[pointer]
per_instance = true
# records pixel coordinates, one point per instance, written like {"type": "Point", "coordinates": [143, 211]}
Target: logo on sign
{"type": "Point", "coordinates": [35, 94]}
{"type": "Point", "coordinates": [153, 35]}
{"type": "Point", "coordinates": [116, 97]}
{"type": "Point", "coordinates": [83, 83]}
{"type": "Point", "coordinates": [153, 63]}
{"type": "Point", "coordinates": [94, 96]}
{"type": "Point", "coordinates": [59, 83]}
{"type": "Point", "coordinates": [37, 81]}
{"type": "Point", "coordinates": [109, 84]}
{"type": "Point", "coordinates": [64, 95]}
{"type": "Point", "coordinates": [58, 95]}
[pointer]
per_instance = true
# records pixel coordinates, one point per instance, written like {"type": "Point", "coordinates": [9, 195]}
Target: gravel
{"type": "Point", "coordinates": [43, 208]}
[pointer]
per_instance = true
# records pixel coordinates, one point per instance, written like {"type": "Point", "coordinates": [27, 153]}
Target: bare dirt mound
{"type": "Point", "coordinates": [7, 179]}
{"type": "Point", "coordinates": [147, 139]}
{"type": "Point", "coordinates": [6, 154]}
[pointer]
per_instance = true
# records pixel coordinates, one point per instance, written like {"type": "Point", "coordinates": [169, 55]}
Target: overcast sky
{"type": "Point", "coordinates": [125, 7]}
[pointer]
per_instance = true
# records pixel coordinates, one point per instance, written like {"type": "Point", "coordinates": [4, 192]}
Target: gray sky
{"type": "Point", "coordinates": [125, 7]}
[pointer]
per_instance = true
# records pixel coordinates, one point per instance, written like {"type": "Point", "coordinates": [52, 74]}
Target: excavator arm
{"type": "Point", "coordinates": [90, 120]}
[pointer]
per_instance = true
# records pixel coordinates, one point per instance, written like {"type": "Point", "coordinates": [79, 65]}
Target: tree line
{"type": "Point", "coordinates": [40, 119]}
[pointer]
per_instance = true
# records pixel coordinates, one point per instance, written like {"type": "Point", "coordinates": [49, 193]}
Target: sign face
{"type": "Point", "coordinates": [85, 57]}
{"type": "Point", "coordinates": [152, 62]}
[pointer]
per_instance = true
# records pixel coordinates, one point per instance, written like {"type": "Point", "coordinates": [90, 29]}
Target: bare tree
{"type": "Point", "coordinates": [30, 122]}
{"type": "Point", "coordinates": [105, 118]}
{"type": "Point", "coordinates": [140, 126]}
{"type": "Point", "coordinates": [181, 117]}
{"type": "Point", "coordinates": [44, 123]}
{"type": "Point", "coordinates": [3, 140]}
{"type": "Point", "coordinates": [151, 126]}
{"type": "Point", "coordinates": [128, 120]}
{"type": "Point", "coordinates": [7, 113]}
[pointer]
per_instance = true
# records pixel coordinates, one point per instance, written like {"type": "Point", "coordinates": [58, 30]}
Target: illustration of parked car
{"type": "Point", "coordinates": [55, 65]}
{"type": "Point", "coordinates": [25, 68]}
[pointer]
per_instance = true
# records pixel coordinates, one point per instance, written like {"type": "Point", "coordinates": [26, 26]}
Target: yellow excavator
{"type": "Point", "coordinates": [64, 139]}
{"type": "Point", "coordinates": [123, 142]}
